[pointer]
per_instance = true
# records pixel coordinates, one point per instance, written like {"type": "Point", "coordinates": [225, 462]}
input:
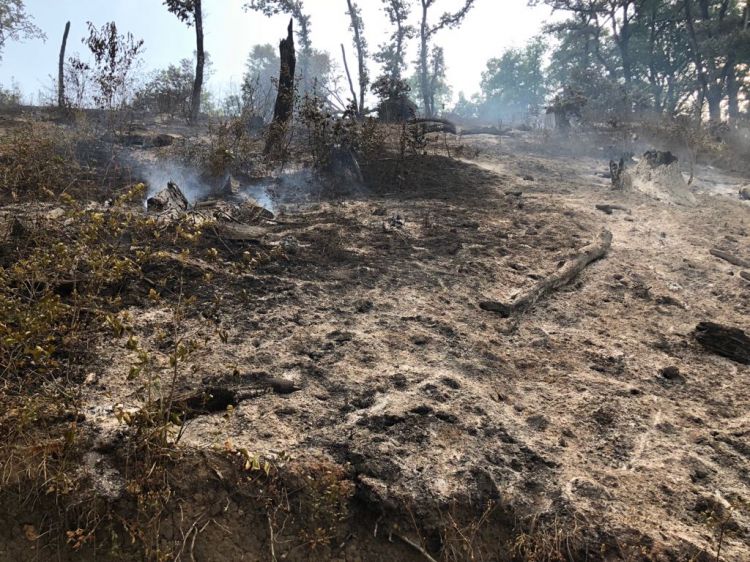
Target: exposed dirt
{"type": "Point", "coordinates": [595, 412]}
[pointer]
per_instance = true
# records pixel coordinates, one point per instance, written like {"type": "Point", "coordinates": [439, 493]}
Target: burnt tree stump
{"type": "Point", "coordinates": [168, 199]}
{"type": "Point", "coordinates": [284, 106]}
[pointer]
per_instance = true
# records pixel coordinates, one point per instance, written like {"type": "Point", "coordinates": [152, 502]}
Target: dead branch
{"type": "Point", "coordinates": [415, 546]}
{"type": "Point", "coordinates": [349, 76]}
{"type": "Point", "coordinates": [563, 276]}
{"type": "Point", "coordinates": [734, 260]}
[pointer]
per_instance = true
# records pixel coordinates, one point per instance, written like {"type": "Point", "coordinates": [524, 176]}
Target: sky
{"type": "Point", "coordinates": [230, 32]}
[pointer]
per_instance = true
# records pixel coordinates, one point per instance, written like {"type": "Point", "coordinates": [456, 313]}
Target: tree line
{"type": "Point", "coordinates": [615, 57]}
{"type": "Point", "coordinates": [627, 57]}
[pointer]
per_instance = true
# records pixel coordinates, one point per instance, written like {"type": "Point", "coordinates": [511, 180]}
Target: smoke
{"type": "Point", "coordinates": [157, 175]}
{"type": "Point", "coordinates": [294, 186]}
{"type": "Point", "coordinates": [261, 194]}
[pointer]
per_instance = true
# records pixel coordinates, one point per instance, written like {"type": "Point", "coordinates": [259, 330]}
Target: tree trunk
{"type": "Point", "coordinates": [284, 106]}
{"type": "Point", "coordinates": [349, 76]}
{"type": "Point", "coordinates": [360, 58]}
{"type": "Point", "coordinates": [713, 97]}
{"type": "Point", "coordinates": [733, 91]}
{"type": "Point", "coordinates": [61, 69]}
{"type": "Point", "coordinates": [195, 107]}
{"type": "Point", "coordinates": [424, 85]}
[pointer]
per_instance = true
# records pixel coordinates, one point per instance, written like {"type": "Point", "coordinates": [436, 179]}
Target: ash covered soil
{"type": "Point", "coordinates": [567, 414]}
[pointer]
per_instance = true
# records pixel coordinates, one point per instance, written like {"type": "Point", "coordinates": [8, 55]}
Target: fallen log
{"type": "Point", "coordinates": [734, 260]}
{"type": "Point", "coordinates": [563, 276]}
{"type": "Point", "coordinates": [726, 341]}
{"type": "Point", "coordinates": [609, 209]}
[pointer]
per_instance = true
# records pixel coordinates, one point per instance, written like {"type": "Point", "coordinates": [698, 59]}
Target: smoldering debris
{"type": "Point", "coordinates": [170, 198]}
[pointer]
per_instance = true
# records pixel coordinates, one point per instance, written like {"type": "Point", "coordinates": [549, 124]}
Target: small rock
{"type": "Point", "coordinates": [672, 373]}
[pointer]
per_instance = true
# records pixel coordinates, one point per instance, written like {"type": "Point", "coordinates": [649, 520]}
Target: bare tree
{"type": "Point", "coordinates": [61, 69]}
{"type": "Point", "coordinates": [191, 13]}
{"type": "Point", "coordinates": [426, 34]}
{"type": "Point", "coordinates": [360, 44]}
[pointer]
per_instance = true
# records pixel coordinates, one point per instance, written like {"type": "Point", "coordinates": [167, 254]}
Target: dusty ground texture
{"type": "Point", "coordinates": [562, 414]}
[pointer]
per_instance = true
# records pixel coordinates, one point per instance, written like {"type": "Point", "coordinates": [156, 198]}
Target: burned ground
{"type": "Point", "coordinates": [592, 426]}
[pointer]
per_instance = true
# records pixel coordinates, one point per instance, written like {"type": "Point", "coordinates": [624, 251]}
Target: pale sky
{"type": "Point", "coordinates": [491, 27]}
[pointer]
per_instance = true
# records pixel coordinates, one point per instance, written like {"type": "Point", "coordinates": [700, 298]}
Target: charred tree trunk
{"type": "Point", "coordinates": [61, 69]}
{"type": "Point", "coordinates": [726, 341]}
{"type": "Point", "coordinates": [284, 106]}
{"type": "Point", "coordinates": [195, 107]}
